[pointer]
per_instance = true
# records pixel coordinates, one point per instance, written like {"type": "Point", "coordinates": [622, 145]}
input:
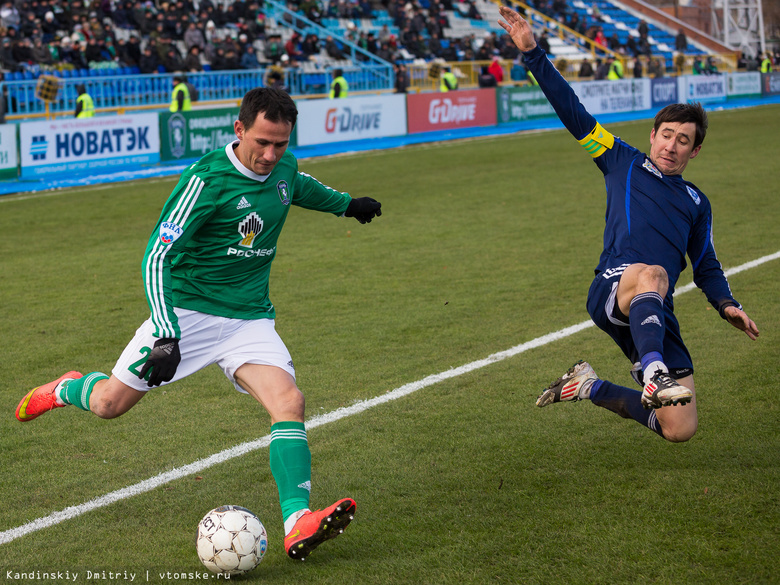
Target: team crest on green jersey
{"type": "Point", "coordinates": [249, 228]}
{"type": "Point", "coordinates": [284, 193]}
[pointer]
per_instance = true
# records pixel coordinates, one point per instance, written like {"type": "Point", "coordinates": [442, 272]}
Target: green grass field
{"type": "Point", "coordinates": [483, 245]}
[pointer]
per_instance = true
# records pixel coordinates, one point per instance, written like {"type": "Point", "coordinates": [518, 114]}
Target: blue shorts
{"type": "Point", "coordinates": [603, 309]}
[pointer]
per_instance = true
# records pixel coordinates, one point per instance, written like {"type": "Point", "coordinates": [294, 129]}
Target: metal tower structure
{"type": "Point", "coordinates": [740, 25]}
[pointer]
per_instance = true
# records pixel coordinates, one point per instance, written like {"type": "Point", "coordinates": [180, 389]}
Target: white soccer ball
{"type": "Point", "coordinates": [231, 540]}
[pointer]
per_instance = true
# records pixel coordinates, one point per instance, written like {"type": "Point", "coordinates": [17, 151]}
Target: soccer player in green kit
{"type": "Point", "coordinates": [205, 273]}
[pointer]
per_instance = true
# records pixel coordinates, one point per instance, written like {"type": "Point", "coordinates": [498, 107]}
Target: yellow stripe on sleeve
{"type": "Point", "coordinates": [597, 141]}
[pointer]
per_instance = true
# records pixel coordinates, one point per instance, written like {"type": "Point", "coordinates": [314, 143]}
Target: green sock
{"type": "Point", "coordinates": [291, 466]}
{"type": "Point", "coordinates": [77, 392]}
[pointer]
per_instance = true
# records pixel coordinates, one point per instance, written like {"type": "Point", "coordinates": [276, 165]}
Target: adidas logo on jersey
{"type": "Point", "coordinates": [243, 204]}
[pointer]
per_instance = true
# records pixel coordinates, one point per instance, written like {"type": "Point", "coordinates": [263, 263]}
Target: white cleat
{"type": "Point", "coordinates": [572, 386]}
{"type": "Point", "coordinates": [662, 390]}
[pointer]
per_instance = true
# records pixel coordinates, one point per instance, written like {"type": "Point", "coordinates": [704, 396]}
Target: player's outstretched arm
{"type": "Point", "coordinates": [517, 28]}
{"type": "Point", "coordinates": [739, 319]}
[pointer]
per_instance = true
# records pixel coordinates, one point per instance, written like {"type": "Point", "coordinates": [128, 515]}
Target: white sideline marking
{"type": "Point", "coordinates": [333, 416]}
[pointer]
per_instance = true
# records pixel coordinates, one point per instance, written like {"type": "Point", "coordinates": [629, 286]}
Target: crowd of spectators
{"type": "Point", "coordinates": [421, 34]}
{"type": "Point", "coordinates": [139, 34]}
{"type": "Point", "coordinates": [590, 26]}
{"type": "Point", "coordinates": [152, 36]}
{"type": "Point", "coordinates": [183, 35]}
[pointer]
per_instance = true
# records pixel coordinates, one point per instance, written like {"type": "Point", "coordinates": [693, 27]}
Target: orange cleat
{"type": "Point", "coordinates": [43, 398]}
{"type": "Point", "coordinates": [314, 528]}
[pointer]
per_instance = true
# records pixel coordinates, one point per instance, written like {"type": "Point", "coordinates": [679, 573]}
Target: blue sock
{"type": "Point", "coordinates": [647, 322]}
{"type": "Point", "coordinates": [649, 358]}
{"type": "Point", "coordinates": [624, 401]}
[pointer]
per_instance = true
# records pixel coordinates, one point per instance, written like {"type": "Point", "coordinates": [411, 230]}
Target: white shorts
{"type": "Point", "coordinates": [205, 340]}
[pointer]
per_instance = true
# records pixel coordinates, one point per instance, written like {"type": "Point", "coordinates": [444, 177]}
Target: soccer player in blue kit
{"type": "Point", "coordinates": [654, 217]}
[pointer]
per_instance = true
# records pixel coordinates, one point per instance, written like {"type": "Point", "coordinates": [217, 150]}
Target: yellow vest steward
{"type": "Point", "coordinates": [340, 81]}
{"type": "Point", "coordinates": [187, 106]}
{"type": "Point", "coordinates": [766, 66]}
{"type": "Point", "coordinates": [615, 71]}
{"type": "Point", "coordinates": [449, 76]}
{"type": "Point", "coordinates": [87, 106]}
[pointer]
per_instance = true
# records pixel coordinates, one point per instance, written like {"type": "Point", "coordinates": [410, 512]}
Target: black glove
{"type": "Point", "coordinates": [363, 209]}
{"type": "Point", "coordinates": [163, 361]}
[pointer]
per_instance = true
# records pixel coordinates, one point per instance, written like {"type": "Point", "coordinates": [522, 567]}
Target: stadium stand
{"type": "Point", "coordinates": [226, 46]}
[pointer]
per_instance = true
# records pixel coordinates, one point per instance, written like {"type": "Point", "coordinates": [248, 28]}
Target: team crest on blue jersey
{"type": "Point", "coordinates": [694, 195]}
{"type": "Point", "coordinates": [284, 192]}
{"type": "Point", "coordinates": [169, 232]}
{"type": "Point", "coordinates": [651, 167]}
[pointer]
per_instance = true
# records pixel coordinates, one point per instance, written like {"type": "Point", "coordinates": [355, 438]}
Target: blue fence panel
{"type": "Point", "coordinates": [129, 91]}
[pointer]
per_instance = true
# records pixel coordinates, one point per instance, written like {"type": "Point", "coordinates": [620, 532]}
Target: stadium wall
{"type": "Point", "coordinates": [56, 149]}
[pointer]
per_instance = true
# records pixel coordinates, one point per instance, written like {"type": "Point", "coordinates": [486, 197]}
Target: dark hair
{"type": "Point", "coordinates": [275, 104]}
{"type": "Point", "coordinates": [684, 113]}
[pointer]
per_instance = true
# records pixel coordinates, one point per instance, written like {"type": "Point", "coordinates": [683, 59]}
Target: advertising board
{"type": "Point", "coordinates": [453, 109]}
{"type": "Point", "coordinates": [187, 135]}
{"type": "Point", "coordinates": [743, 84]}
{"type": "Point", "coordinates": [663, 91]}
{"type": "Point", "coordinates": [770, 83]}
{"type": "Point", "coordinates": [515, 104]}
{"type": "Point", "coordinates": [9, 161]}
{"type": "Point", "coordinates": [705, 88]}
{"type": "Point", "coordinates": [609, 97]}
{"type": "Point", "coordinates": [88, 145]}
{"type": "Point", "coordinates": [321, 121]}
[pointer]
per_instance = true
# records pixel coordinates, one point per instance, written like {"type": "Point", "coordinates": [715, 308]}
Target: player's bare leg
{"type": "Point", "coordinates": [679, 423]}
{"type": "Point", "coordinates": [275, 389]}
{"type": "Point", "coordinates": [290, 460]}
{"type": "Point", "coordinates": [640, 278]}
{"type": "Point", "coordinates": [111, 398]}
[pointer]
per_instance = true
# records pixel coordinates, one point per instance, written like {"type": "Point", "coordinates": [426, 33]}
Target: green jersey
{"type": "Point", "coordinates": [211, 250]}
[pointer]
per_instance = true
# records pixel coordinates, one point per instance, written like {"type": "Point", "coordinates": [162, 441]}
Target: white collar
{"type": "Point", "coordinates": [231, 154]}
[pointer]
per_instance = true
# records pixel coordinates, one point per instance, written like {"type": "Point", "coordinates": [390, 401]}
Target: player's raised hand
{"type": "Point", "coordinates": [739, 319]}
{"type": "Point", "coordinates": [518, 29]}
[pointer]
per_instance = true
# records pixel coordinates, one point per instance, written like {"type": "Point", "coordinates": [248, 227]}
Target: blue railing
{"type": "Point", "coordinates": [372, 74]}
{"type": "Point", "coordinates": [154, 91]}
{"type": "Point", "coordinates": [300, 23]}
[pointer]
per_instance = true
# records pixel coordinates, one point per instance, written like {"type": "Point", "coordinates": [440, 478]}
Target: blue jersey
{"type": "Point", "coordinates": [651, 218]}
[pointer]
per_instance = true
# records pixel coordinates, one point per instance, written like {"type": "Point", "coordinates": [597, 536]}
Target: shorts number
{"type": "Point", "coordinates": [135, 366]}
